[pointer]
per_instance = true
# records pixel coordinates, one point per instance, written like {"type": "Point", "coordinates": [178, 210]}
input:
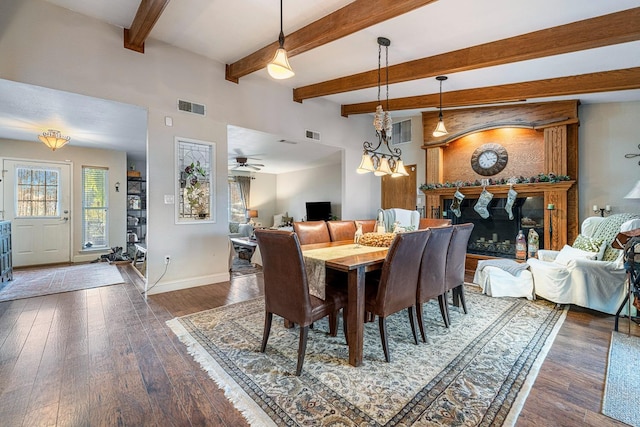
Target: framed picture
{"type": "Point", "coordinates": [195, 186]}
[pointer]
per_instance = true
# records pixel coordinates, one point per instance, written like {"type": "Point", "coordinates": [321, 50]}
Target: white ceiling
{"type": "Point", "coordinates": [226, 31]}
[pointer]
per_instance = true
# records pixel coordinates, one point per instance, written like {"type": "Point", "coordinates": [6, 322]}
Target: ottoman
{"type": "Point", "coordinates": [504, 278]}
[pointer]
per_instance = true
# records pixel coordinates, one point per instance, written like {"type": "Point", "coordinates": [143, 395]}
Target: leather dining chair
{"type": "Point", "coordinates": [341, 230]}
{"type": "Point", "coordinates": [456, 256]}
{"type": "Point", "coordinates": [312, 232]}
{"type": "Point", "coordinates": [286, 290]}
{"type": "Point", "coordinates": [432, 274]}
{"type": "Point", "coordinates": [396, 287]}
{"type": "Point", "coordinates": [433, 222]}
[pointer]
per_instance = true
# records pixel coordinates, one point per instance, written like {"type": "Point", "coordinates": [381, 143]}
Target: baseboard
{"type": "Point", "coordinates": [187, 283]}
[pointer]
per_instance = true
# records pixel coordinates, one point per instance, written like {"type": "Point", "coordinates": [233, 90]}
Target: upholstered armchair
{"type": "Point", "coordinates": [593, 278]}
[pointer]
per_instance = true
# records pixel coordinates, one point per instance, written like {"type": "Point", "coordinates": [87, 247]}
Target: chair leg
{"type": "Point", "coordinates": [383, 337]}
{"type": "Point", "coordinates": [420, 321]}
{"type": "Point", "coordinates": [267, 329]}
{"type": "Point", "coordinates": [460, 292]}
{"type": "Point", "coordinates": [412, 321]}
{"type": "Point", "coordinates": [444, 311]}
{"type": "Point", "coordinates": [302, 348]}
{"type": "Point", "coordinates": [333, 323]}
{"type": "Point", "coordinates": [345, 316]}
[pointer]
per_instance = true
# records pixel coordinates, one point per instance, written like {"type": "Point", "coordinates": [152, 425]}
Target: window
{"type": "Point", "coordinates": [95, 207]}
{"type": "Point", "coordinates": [38, 192]}
{"type": "Point", "coordinates": [401, 132]}
{"type": "Point", "coordinates": [236, 206]}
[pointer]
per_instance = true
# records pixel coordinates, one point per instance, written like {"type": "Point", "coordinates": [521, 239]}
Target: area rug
{"type": "Point", "coordinates": [621, 400]}
{"type": "Point", "coordinates": [477, 372]}
{"type": "Point", "coordinates": [33, 282]}
{"type": "Point", "coordinates": [242, 267]}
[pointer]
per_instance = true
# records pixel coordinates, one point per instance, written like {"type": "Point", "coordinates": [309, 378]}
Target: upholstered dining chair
{"type": "Point", "coordinates": [286, 290]}
{"type": "Point", "coordinates": [456, 256]}
{"type": "Point", "coordinates": [312, 232]}
{"type": "Point", "coordinates": [432, 273]}
{"type": "Point", "coordinates": [396, 287]}
{"type": "Point", "coordinates": [341, 230]}
{"type": "Point", "coordinates": [433, 222]}
{"type": "Point", "coordinates": [368, 225]}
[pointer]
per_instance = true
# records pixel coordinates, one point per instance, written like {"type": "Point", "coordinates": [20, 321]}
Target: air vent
{"type": "Point", "coordinates": [191, 107]}
{"type": "Point", "coordinates": [313, 135]}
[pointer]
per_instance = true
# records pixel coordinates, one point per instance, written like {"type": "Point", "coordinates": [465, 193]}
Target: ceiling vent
{"type": "Point", "coordinates": [313, 135]}
{"type": "Point", "coordinates": [191, 107]}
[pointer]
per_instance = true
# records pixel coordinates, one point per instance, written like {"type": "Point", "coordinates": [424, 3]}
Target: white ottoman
{"type": "Point", "coordinates": [504, 278]}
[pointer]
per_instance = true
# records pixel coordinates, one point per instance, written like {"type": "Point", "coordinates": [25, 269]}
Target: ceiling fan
{"type": "Point", "coordinates": [242, 162]}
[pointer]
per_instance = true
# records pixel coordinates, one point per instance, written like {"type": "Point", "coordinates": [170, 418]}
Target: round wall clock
{"type": "Point", "coordinates": [489, 159]}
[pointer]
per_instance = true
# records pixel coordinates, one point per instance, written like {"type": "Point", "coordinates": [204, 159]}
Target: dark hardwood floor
{"type": "Point", "coordinates": [104, 356]}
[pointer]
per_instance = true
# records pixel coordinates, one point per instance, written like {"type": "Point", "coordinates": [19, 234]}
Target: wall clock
{"type": "Point", "coordinates": [489, 159]}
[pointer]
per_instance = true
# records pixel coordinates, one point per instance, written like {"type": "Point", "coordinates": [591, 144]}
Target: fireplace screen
{"type": "Point", "coordinates": [496, 235]}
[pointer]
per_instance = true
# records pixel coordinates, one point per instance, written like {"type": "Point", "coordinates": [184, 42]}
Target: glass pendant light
{"type": "Point", "coordinates": [440, 129]}
{"type": "Point", "coordinates": [279, 67]}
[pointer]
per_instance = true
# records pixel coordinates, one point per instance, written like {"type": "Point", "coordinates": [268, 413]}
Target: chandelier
{"type": "Point", "coordinates": [53, 139]}
{"type": "Point", "coordinates": [382, 159]}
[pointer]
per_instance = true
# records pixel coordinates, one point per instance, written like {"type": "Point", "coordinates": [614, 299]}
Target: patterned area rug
{"type": "Point", "coordinates": [33, 282]}
{"type": "Point", "coordinates": [478, 372]}
{"type": "Point", "coordinates": [621, 400]}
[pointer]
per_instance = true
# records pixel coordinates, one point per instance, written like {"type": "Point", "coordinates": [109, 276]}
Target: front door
{"type": "Point", "coordinates": [36, 199]}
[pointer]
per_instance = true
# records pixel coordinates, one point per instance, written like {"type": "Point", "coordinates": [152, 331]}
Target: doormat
{"type": "Point", "coordinates": [38, 281]}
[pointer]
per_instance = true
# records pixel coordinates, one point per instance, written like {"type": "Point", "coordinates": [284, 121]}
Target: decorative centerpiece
{"type": "Point", "coordinates": [381, 240]}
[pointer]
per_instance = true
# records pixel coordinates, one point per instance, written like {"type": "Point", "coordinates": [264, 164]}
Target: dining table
{"type": "Point", "coordinates": [355, 263]}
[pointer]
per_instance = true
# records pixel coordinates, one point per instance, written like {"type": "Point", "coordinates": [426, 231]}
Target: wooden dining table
{"type": "Point", "coordinates": [356, 266]}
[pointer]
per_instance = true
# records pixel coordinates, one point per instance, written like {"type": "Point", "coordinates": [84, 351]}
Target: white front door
{"type": "Point", "coordinates": [37, 202]}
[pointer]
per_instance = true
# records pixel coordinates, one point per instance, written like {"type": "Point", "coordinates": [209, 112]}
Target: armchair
{"type": "Point", "coordinates": [594, 280]}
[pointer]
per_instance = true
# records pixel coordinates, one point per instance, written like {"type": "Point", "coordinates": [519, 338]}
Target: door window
{"type": "Point", "coordinates": [37, 192]}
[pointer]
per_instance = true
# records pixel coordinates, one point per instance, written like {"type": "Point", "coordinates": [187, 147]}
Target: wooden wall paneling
{"type": "Point", "coordinates": [433, 173]}
{"type": "Point", "coordinates": [469, 120]}
{"type": "Point", "coordinates": [555, 157]}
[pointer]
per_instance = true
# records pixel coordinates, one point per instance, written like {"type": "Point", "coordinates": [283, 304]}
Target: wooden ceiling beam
{"type": "Point", "coordinates": [615, 28]}
{"type": "Point", "coordinates": [354, 17]}
{"type": "Point", "coordinates": [605, 81]}
{"type": "Point", "coordinates": [146, 17]}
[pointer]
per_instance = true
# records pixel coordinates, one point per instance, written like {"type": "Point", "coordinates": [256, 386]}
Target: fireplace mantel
{"type": "Point", "coordinates": [554, 193]}
{"type": "Point", "coordinates": [552, 147]}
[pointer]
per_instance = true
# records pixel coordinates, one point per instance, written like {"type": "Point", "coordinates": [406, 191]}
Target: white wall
{"type": "Point", "coordinates": [608, 132]}
{"type": "Point", "coordinates": [263, 197]}
{"type": "Point", "coordinates": [322, 184]}
{"type": "Point", "coordinates": [49, 46]}
{"type": "Point", "coordinates": [114, 161]}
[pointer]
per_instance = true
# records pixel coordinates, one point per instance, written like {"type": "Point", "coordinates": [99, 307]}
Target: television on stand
{"type": "Point", "coordinates": [318, 211]}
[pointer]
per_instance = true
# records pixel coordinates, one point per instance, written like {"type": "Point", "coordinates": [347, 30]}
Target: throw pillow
{"type": "Point", "coordinates": [569, 253]}
{"type": "Point", "coordinates": [234, 227]}
{"type": "Point", "coordinates": [287, 221]}
{"type": "Point", "coordinates": [590, 244]}
{"type": "Point", "coordinates": [277, 220]}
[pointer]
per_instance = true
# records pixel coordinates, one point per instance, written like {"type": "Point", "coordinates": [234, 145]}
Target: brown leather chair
{"type": "Point", "coordinates": [368, 225]}
{"type": "Point", "coordinates": [341, 230]}
{"type": "Point", "coordinates": [397, 285]}
{"type": "Point", "coordinates": [312, 232]}
{"type": "Point", "coordinates": [456, 256]}
{"type": "Point", "coordinates": [432, 272]}
{"type": "Point", "coordinates": [433, 222]}
{"type": "Point", "coordinates": [286, 291]}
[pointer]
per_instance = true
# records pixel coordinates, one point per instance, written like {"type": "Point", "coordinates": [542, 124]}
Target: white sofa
{"type": "Point", "coordinates": [594, 280]}
{"type": "Point", "coordinates": [240, 230]}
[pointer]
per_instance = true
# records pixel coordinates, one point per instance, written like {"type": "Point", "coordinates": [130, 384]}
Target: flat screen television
{"type": "Point", "coordinates": [318, 211]}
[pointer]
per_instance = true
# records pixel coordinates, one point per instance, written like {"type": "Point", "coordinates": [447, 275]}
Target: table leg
{"type": "Point", "coordinates": [355, 320]}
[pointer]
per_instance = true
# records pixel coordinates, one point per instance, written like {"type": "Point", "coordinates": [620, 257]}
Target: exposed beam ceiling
{"type": "Point", "coordinates": [591, 33]}
{"type": "Point", "coordinates": [562, 86]}
{"type": "Point", "coordinates": [147, 15]}
{"type": "Point", "coordinates": [354, 17]}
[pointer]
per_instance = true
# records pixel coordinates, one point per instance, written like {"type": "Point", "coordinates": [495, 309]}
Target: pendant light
{"type": "Point", "coordinates": [279, 67]}
{"type": "Point", "coordinates": [373, 158]}
{"type": "Point", "coordinates": [440, 129]}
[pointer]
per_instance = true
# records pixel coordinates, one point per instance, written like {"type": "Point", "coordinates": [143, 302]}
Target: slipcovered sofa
{"type": "Point", "coordinates": [590, 273]}
{"type": "Point", "coordinates": [240, 230]}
